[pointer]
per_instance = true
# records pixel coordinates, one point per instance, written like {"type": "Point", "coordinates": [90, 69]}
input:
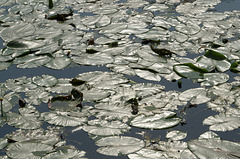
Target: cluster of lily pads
{"type": "Point", "coordinates": [130, 38]}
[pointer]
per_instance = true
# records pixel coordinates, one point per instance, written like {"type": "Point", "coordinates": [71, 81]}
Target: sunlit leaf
{"type": "Point", "coordinates": [195, 96]}
{"type": "Point", "coordinates": [222, 122]}
{"type": "Point", "coordinates": [211, 79]}
{"type": "Point", "coordinates": [49, 136]}
{"type": "Point", "coordinates": [3, 143]}
{"type": "Point", "coordinates": [17, 31]}
{"type": "Point", "coordinates": [188, 70]}
{"type": "Point", "coordinates": [214, 148]}
{"type": "Point", "coordinates": [66, 152]}
{"type": "Point", "coordinates": [27, 119]}
{"type": "Point", "coordinates": [176, 135]}
{"type": "Point", "coordinates": [119, 145]}
{"type": "Point", "coordinates": [163, 120]}
{"type": "Point", "coordinates": [145, 74]}
{"type": "Point", "coordinates": [63, 119]}
{"type": "Point", "coordinates": [147, 154]}
{"type": "Point", "coordinates": [45, 80]}
{"type": "Point", "coordinates": [105, 128]}
{"type": "Point", "coordinates": [28, 150]}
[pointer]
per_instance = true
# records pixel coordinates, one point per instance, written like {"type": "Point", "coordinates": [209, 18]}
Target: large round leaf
{"type": "Point", "coordinates": [28, 150]}
{"type": "Point", "coordinates": [63, 119]}
{"type": "Point", "coordinates": [214, 148]}
{"type": "Point", "coordinates": [66, 153]}
{"type": "Point", "coordinates": [105, 128]}
{"type": "Point", "coordinates": [45, 80]}
{"type": "Point", "coordinates": [163, 120]}
{"type": "Point", "coordinates": [27, 119]}
{"type": "Point", "coordinates": [17, 31]}
{"type": "Point", "coordinates": [119, 145]}
{"type": "Point", "coordinates": [222, 122]}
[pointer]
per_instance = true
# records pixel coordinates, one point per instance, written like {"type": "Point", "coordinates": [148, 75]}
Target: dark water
{"type": "Point", "coordinates": [194, 116]}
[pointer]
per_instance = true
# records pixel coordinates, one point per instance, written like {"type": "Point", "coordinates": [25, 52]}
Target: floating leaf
{"type": "Point", "coordinates": [212, 79]}
{"type": "Point", "coordinates": [146, 153]}
{"type": "Point", "coordinates": [195, 96]}
{"type": "Point", "coordinates": [63, 119]}
{"type": "Point", "coordinates": [214, 55]}
{"type": "Point", "coordinates": [105, 128]}
{"type": "Point", "coordinates": [119, 145]}
{"type": "Point", "coordinates": [145, 74]}
{"type": "Point", "coordinates": [163, 120]}
{"type": "Point", "coordinates": [32, 61]}
{"type": "Point", "coordinates": [66, 153]}
{"type": "Point", "coordinates": [189, 28]}
{"type": "Point", "coordinates": [28, 150]}
{"type": "Point", "coordinates": [188, 70]}
{"type": "Point", "coordinates": [176, 135]}
{"type": "Point", "coordinates": [27, 119]}
{"type": "Point", "coordinates": [59, 63]}
{"type": "Point", "coordinates": [3, 143]}
{"type": "Point", "coordinates": [49, 136]}
{"type": "Point", "coordinates": [214, 148]}
{"type": "Point", "coordinates": [4, 65]}
{"type": "Point", "coordinates": [45, 80]}
{"type": "Point", "coordinates": [17, 31]}
{"type": "Point", "coordinates": [25, 44]}
{"type": "Point", "coordinates": [222, 122]}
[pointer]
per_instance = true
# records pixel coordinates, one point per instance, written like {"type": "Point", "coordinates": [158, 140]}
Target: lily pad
{"type": "Point", "coordinates": [188, 70]}
{"type": "Point", "coordinates": [176, 135]}
{"type": "Point", "coordinates": [163, 120]}
{"type": "Point", "coordinates": [63, 119]}
{"type": "Point", "coordinates": [66, 153]}
{"type": "Point", "coordinates": [27, 119]}
{"type": "Point", "coordinates": [45, 80]}
{"type": "Point", "coordinates": [214, 148]}
{"type": "Point", "coordinates": [28, 150]}
{"type": "Point", "coordinates": [105, 128]}
{"type": "Point", "coordinates": [119, 145]}
{"type": "Point", "coordinates": [222, 122]}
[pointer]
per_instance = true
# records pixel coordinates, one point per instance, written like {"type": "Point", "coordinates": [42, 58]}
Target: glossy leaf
{"type": "Point", "coordinates": [163, 120]}
{"type": "Point", "coordinates": [119, 145]}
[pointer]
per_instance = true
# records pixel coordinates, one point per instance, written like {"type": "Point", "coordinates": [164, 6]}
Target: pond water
{"type": "Point", "coordinates": [194, 116]}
